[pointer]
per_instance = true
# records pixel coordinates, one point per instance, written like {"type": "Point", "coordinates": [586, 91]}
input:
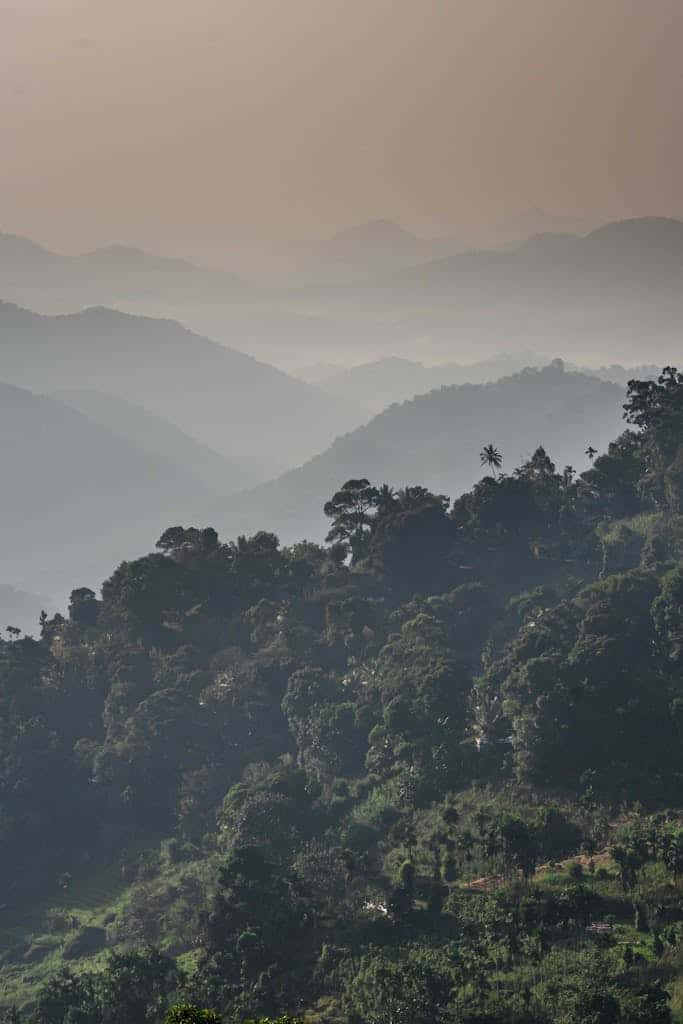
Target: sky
{"type": "Point", "coordinates": [179, 124]}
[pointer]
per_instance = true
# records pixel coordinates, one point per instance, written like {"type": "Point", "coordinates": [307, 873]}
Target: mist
{"type": "Point", "coordinates": [234, 234]}
{"type": "Point", "coordinates": [187, 129]}
{"type": "Point", "coordinates": [341, 547]}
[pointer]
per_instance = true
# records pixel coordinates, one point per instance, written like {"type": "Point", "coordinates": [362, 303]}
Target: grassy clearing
{"type": "Point", "coordinates": [32, 943]}
{"type": "Point", "coordinates": [33, 939]}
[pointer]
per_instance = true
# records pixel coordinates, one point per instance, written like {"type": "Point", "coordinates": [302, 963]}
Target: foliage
{"type": "Point", "coordinates": [343, 786]}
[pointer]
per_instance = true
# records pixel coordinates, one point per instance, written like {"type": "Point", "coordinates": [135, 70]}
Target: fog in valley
{"type": "Point", "coordinates": [341, 560]}
{"type": "Point", "coordinates": [183, 410]}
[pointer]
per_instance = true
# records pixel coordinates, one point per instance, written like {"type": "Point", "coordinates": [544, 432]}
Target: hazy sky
{"type": "Point", "coordinates": [171, 122]}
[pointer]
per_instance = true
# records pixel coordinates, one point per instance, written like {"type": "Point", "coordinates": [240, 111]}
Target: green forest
{"type": "Point", "coordinates": [428, 772]}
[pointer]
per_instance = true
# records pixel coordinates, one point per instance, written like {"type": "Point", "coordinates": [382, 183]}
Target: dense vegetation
{"type": "Point", "coordinates": [434, 439]}
{"type": "Point", "coordinates": [429, 771]}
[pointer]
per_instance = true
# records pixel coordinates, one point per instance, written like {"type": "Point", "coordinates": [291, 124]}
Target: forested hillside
{"type": "Point", "coordinates": [435, 439]}
{"type": "Point", "coordinates": [428, 771]}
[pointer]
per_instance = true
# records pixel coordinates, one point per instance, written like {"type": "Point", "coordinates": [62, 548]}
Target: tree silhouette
{"type": "Point", "coordinates": [491, 457]}
{"type": "Point", "coordinates": [351, 510]}
{"type": "Point", "coordinates": [386, 499]}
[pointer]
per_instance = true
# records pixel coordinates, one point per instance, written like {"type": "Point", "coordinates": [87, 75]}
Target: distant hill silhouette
{"type": "Point", "coordinates": [131, 258]}
{"type": "Point", "coordinates": [435, 440]}
{"type": "Point", "coordinates": [375, 289]}
{"type": "Point", "coordinates": [600, 295]}
{"type": "Point", "coordinates": [533, 221]}
{"type": "Point", "coordinates": [21, 257]}
{"type": "Point", "coordinates": [244, 409]}
{"type": "Point", "coordinates": [379, 384]}
{"type": "Point", "coordinates": [75, 495]}
{"type": "Point", "coordinates": [379, 234]}
{"type": "Point", "coordinates": [653, 241]}
{"type": "Point", "coordinates": [366, 251]}
{"type": "Point", "coordinates": [159, 436]}
{"type": "Point", "coordinates": [116, 273]}
{"type": "Point", "coordinates": [655, 235]}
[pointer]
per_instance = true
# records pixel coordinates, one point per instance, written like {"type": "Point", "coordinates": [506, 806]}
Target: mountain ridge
{"type": "Point", "coordinates": [215, 394]}
{"type": "Point", "coordinates": [436, 438]}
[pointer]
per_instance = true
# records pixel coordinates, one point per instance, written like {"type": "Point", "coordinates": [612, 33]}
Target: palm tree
{"type": "Point", "coordinates": [491, 457]}
{"type": "Point", "coordinates": [591, 452]}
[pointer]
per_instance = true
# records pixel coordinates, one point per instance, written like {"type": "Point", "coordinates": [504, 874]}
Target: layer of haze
{"type": "Point", "coordinates": [183, 125]}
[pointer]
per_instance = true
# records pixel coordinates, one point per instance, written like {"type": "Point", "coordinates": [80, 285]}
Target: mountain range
{"type": "Point", "coordinates": [365, 251]}
{"type": "Point", "coordinates": [590, 297]}
{"type": "Point", "coordinates": [243, 409]}
{"type": "Point", "coordinates": [376, 289]}
{"type": "Point", "coordinates": [378, 384]}
{"type": "Point", "coordinates": [108, 275]}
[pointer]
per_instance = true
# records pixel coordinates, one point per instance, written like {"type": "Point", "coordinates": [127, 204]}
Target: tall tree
{"type": "Point", "coordinates": [352, 510]}
{"type": "Point", "coordinates": [491, 457]}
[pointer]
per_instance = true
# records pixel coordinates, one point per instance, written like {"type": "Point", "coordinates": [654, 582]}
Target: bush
{"type": "Point", "coordinates": [187, 1013]}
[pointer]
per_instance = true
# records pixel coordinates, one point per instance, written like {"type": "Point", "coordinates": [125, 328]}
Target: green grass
{"type": "Point", "coordinates": [31, 952]}
{"type": "Point", "coordinates": [31, 948]}
{"type": "Point", "coordinates": [676, 990]}
{"type": "Point", "coordinates": [89, 901]}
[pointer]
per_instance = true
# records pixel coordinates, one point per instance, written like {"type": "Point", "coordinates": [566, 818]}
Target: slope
{"type": "Point", "coordinates": [30, 272]}
{"type": "Point", "coordinates": [240, 407]}
{"type": "Point", "coordinates": [378, 384]}
{"type": "Point", "coordinates": [76, 496]}
{"type": "Point", "coordinates": [436, 439]}
{"type": "Point", "coordinates": [368, 250]}
{"type": "Point", "coordinates": [159, 436]}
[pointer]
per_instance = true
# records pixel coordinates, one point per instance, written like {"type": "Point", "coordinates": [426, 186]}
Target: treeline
{"type": "Point", "coordinates": [300, 759]}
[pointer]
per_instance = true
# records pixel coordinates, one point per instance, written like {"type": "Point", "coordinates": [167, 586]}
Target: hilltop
{"type": "Point", "coordinates": [436, 438]}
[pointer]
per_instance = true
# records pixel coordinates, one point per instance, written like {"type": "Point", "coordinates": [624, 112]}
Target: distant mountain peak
{"type": "Point", "coordinates": [117, 251]}
{"type": "Point", "coordinates": [7, 240]}
{"type": "Point", "coordinates": [19, 252]}
{"type": "Point", "coordinates": [664, 232]}
{"type": "Point", "coordinates": [120, 257]}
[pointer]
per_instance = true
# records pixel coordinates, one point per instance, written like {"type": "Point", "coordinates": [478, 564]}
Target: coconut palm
{"type": "Point", "coordinates": [491, 457]}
